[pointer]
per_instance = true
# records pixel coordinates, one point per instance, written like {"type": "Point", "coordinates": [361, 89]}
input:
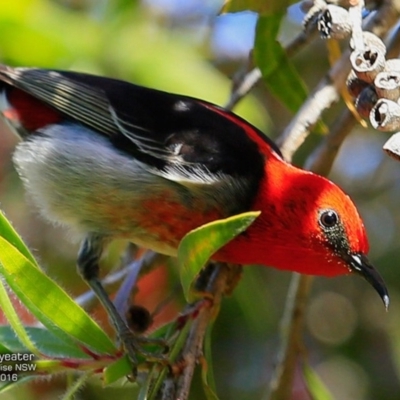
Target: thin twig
{"type": "Point", "coordinates": [355, 13]}
{"type": "Point", "coordinates": [321, 98]}
{"type": "Point", "coordinates": [168, 390]}
{"type": "Point", "coordinates": [321, 159]}
{"type": "Point", "coordinates": [111, 282]}
{"type": "Point", "coordinates": [247, 80]}
{"type": "Point", "coordinates": [292, 326]}
{"type": "Point", "coordinates": [216, 287]}
{"type": "Point", "coordinates": [123, 295]}
{"type": "Point", "coordinates": [327, 91]}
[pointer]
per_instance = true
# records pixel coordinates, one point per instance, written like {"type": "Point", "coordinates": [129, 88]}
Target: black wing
{"type": "Point", "coordinates": [161, 129]}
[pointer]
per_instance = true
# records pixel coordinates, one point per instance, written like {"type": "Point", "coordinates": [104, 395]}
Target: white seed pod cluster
{"type": "Point", "coordinates": [334, 23]}
{"type": "Point", "coordinates": [331, 17]}
{"type": "Point", "coordinates": [374, 81]}
{"type": "Point", "coordinates": [375, 84]}
{"type": "Point", "coordinates": [392, 146]}
{"type": "Point", "coordinates": [369, 61]}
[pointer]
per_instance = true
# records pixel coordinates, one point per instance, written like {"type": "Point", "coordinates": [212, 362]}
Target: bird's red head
{"type": "Point", "coordinates": [309, 225]}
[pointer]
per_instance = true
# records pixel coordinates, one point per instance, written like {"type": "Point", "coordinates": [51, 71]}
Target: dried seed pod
{"type": "Point", "coordinates": [306, 5]}
{"type": "Point", "coordinates": [387, 85]}
{"type": "Point", "coordinates": [355, 85]}
{"type": "Point", "coordinates": [334, 22]}
{"type": "Point", "coordinates": [312, 14]}
{"type": "Point", "coordinates": [366, 101]}
{"type": "Point", "coordinates": [385, 115]}
{"type": "Point", "coordinates": [367, 63]}
{"type": "Point", "coordinates": [392, 65]}
{"type": "Point", "coordinates": [371, 41]}
{"type": "Point", "coordinates": [392, 146]}
{"type": "Point", "coordinates": [343, 3]}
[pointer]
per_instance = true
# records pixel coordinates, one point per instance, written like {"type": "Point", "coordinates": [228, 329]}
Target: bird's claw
{"type": "Point", "coordinates": [134, 346]}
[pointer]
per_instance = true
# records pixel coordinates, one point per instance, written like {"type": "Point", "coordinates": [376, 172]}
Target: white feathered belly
{"type": "Point", "coordinates": [77, 179]}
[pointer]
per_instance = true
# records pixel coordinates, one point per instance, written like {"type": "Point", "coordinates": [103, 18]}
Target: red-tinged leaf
{"type": "Point", "coordinates": [259, 6]}
{"type": "Point", "coordinates": [200, 244]}
{"type": "Point", "coordinates": [48, 302]}
{"type": "Point", "coordinates": [277, 70]}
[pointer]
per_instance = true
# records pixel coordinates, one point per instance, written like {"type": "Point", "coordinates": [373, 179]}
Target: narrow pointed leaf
{"type": "Point", "coordinates": [200, 244]}
{"type": "Point", "coordinates": [76, 386]}
{"type": "Point", "coordinates": [47, 343]}
{"type": "Point", "coordinates": [3, 348]}
{"type": "Point", "coordinates": [315, 386]}
{"type": "Point", "coordinates": [207, 372]}
{"type": "Point", "coordinates": [175, 351]}
{"type": "Point", "coordinates": [117, 370]}
{"type": "Point", "coordinates": [209, 392]}
{"type": "Point", "coordinates": [277, 70]}
{"type": "Point", "coordinates": [148, 384]}
{"type": "Point", "coordinates": [9, 234]}
{"type": "Point", "coordinates": [14, 320]}
{"type": "Point", "coordinates": [48, 302]}
{"type": "Point", "coordinates": [21, 380]}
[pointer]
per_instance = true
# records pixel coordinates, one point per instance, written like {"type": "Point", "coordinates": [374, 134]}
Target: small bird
{"type": "Point", "coordinates": [111, 159]}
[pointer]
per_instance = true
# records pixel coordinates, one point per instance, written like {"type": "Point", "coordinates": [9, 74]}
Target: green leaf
{"type": "Point", "coordinates": [209, 392]}
{"type": "Point", "coordinates": [46, 342]}
{"type": "Point", "coordinates": [277, 70]}
{"type": "Point", "coordinates": [9, 311]}
{"type": "Point", "coordinates": [76, 386]}
{"type": "Point", "coordinates": [315, 386]}
{"type": "Point", "coordinates": [4, 349]}
{"type": "Point", "coordinates": [200, 244]}
{"type": "Point", "coordinates": [207, 373]}
{"type": "Point", "coordinates": [21, 380]}
{"type": "Point", "coordinates": [265, 7]}
{"type": "Point", "coordinates": [117, 370]}
{"type": "Point", "coordinates": [152, 391]}
{"type": "Point", "coordinates": [148, 384]}
{"type": "Point", "coordinates": [50, 304]}
{"type": "Point", "coordinates": [9, 234]}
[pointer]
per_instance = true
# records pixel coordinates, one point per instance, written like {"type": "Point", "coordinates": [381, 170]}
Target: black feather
{"type": "Point", "coordinates": [158, 128]}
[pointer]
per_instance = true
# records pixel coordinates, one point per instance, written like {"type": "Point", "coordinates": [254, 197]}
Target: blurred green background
{"type": "Point", "coordinates": [184, 47]}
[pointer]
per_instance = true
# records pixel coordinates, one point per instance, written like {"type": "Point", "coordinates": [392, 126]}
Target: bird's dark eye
{"type": "Point", "coordinates": [328, 218]}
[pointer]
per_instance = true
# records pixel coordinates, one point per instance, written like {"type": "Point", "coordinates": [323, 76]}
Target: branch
{"type": "Point", "coordinates": [291, 325]}
{"type": "Point", "coordinates": [246, 80]}
{"type": "Point", "coordinates": [327, 91]}
{"type": "Point", "coordinates": [320, 161]}
{"type": "Point", "coordinates": [216, 280]}
{"type": "Point", "coordinates": [112, 282]}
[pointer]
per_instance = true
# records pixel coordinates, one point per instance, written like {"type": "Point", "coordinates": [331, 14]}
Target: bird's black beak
{"type": "Point", "coordinates": [360, 264]}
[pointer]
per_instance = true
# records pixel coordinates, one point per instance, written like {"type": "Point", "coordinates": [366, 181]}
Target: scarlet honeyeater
{"type": "Point", "coordinates": [111, 159]}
